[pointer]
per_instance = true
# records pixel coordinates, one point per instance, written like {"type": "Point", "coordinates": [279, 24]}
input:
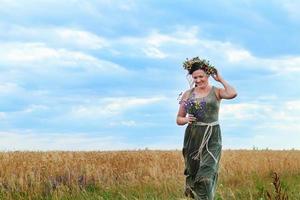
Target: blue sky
{"type": "Point", "coordinates": [105, 75]}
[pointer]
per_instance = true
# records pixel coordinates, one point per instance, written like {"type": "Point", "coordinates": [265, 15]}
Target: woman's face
{"type": "Point", "coordinates": [200, 78]}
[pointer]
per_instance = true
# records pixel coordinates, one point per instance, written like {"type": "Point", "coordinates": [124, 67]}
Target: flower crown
{"type": "Point", "coordinates": [204, 65]}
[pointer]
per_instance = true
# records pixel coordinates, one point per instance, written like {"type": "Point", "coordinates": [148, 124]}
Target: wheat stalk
{"type": "Point", "coordinates": [279, 195]}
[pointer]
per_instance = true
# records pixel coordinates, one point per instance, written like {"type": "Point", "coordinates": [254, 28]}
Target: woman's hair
{"type": "Point", "coordinates": [195, 66]}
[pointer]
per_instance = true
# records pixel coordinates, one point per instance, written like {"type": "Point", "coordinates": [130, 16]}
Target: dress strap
{"type": "Point", "coordinates": [191, 92]}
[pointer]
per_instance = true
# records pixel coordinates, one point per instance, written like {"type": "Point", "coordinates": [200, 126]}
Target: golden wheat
{"type": "Point", "coordinates": [45, 172]}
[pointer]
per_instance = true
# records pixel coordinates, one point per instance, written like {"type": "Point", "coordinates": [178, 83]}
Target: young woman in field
{"type": "Point", "coordinates": [199, 108]}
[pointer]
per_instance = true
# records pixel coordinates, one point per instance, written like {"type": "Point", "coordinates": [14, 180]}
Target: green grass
{"type": "Point", "coordinates": [255, 188]}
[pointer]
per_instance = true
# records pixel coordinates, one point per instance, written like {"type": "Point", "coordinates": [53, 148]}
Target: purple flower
{"type": "Point", "coordinates": [195, 107]}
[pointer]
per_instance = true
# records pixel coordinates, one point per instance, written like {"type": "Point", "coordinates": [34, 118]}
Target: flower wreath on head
{"type": "Point", "coordinates": [204, 65]}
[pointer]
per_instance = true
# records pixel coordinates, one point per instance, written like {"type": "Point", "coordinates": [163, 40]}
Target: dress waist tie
{"type": "Point", "coordinates": [204, 143]}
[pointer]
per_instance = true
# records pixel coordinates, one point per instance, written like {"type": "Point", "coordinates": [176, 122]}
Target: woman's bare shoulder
{"type": "Point", "coordinates": [186, 94]}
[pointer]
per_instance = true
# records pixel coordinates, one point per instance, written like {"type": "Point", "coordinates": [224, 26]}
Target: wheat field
{"type": "Point", "coordinates": [142, 174]}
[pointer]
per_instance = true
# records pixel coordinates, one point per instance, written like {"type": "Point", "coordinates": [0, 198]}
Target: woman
{"type": "Point", "coordinates": [199, 108]}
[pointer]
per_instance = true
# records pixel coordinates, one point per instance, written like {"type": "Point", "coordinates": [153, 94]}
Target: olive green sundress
{"type": "Point", "coordinates": [202, 146]}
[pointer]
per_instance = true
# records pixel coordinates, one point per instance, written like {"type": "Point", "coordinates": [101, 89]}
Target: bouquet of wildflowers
{"type": "Point", "coordinates": [194, 107]}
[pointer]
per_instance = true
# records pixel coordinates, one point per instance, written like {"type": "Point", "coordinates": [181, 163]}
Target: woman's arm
{"type": "Point", "coordinates": [228, 92]}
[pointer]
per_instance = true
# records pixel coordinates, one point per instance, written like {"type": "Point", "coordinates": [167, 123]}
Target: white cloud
{"type": "Point", "coordinates": [80, 38]}
{"type": "Point", "coordinates": [128, 5]}
{"type": "Point", "coordinates": [35, 108]}
{"type": "Point", "coordinates": [14, 140]}
{"type": "Point", "coordinates": [243, 111]}
{"type": "Point", "coordinates": [292, 8]}
{"type": "Point", "coordinates": [128, 123]}
{"type": "Point", "coordinates": [62, 37]}
{"type": "Point", "coordinates": [236, 55]}
{"type": "Point", "coordinates": [10, 4]}
{"type": "Point", "coordinates": [9, 88]}
{"type": "Point", "coordinates": [2, 115]}
{"type": "Point", "coordinates": [153, 52]}
{"type": "Point", "coordinates": [287, 64]}
{"type": "Point", "coordinates": [123, 5]}
{"type": "Point", "coordinates": [43, 58]}
{"type": "Point", "coordinates": [274, 125]}
{"type": "Point", "coordinates": [192, 39]}
{"type": "Point", "coordinates": [293, 105]}
{"type": "Point", "coordinates": [275, 112]}
{"type": "Point", "coordinates": [172, 45]}
{"type": "Point", "coordinates": [180, 36]}
{"type": "Point", "coordinates": [153, 43]}
{"type": "Point", "coordinates": [28, 52]}
{"type": "Point", "coordinates": [109, 107]}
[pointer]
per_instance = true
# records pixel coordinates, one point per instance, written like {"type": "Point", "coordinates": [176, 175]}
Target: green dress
{"type": "Point", "coordinates": [202, 147]}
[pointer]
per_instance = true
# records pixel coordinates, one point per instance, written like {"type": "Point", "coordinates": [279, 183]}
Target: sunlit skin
{"type": "Point", "coordinates": [202, 88]}
{"type": "Point", "coordinates": [201, 81]}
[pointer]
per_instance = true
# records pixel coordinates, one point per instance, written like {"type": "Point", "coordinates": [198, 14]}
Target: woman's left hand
{"type": "Point", "coordinates": [217, 77]}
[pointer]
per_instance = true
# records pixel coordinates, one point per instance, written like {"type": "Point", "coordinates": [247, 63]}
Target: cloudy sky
{"type": "Point", "coordinates": [105, 75]}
